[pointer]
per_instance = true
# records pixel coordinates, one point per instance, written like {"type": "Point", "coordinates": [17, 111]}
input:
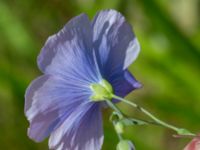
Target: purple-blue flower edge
{"type": "Point", "coordinates": [57, 104]}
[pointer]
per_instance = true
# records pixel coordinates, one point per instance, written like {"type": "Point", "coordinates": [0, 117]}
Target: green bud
{"type": "Point", "coordinates": [184, 132]}
{"type": "Point", "coordinates": [119, 127]}
{"type": "Point", "coordinates": [125, 145]}
{"type": "Point", "coordinates": [101, 91]}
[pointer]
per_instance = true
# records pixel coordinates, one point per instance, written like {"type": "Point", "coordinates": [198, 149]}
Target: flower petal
{"type": "Point", "coordinates": [194, 144]}
{"type": "Point", "coordinates": [69, 52]}
{"type": "Point", "coordinates": [49, 100]}
{"type": "Point", "coordinates": [82, 130]}
{"type": "Point", "coordinates": [115, 43]}
{"type": "Point", "coordinates": [124, 83]}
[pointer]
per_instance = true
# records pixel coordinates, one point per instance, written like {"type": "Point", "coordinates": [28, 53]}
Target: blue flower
{"type": "Point", "coordinates": [58, 103]}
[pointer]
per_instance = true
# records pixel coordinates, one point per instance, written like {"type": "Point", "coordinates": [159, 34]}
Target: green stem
{"type": "Point", "coordinates": [118, 134]}
{"type": "Point", "coordinates": [134, 120]}
{"type": "Point", "coordinates": [122, 116]}
{"type": "Point", "coordinates": [160, 122]}
{"type": "Point", "coordinates": [115, 108]}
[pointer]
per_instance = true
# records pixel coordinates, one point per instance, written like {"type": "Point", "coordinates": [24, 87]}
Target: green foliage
{"type": "Point", "coordinates": [168, 65]}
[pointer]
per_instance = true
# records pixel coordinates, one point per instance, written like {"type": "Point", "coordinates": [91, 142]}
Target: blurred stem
{"type": "Point", "coordinates": [163, 22]}
{"type": "Point", "coordinates": [180, 131]}
{"type": "Point", "coordinates": [122, 6]}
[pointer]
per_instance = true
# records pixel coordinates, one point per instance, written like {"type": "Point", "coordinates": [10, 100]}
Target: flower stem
{"type": "Point", "coordinates": [122, 116]}
{"type": "Point", "coordinates": [115, 108]}
{"type": "Point", "coordinates": [180, 131]}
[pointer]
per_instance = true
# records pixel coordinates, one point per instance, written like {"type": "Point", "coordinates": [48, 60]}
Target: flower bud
{"type": "Point", "coordinates": [125, 145]}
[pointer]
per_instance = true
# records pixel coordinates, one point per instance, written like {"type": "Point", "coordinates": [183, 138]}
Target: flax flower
{"type": "Point", "coordinates": [63, 104]}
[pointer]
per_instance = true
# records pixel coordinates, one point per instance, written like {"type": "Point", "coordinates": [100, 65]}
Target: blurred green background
{"type": "Point", "coordinates": [168, 65]}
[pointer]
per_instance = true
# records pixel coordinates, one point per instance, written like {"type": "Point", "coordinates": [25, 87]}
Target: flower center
{"type": "Point", "coordinates": [101, 91]}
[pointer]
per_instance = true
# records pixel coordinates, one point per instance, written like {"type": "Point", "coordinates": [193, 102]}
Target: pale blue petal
{"type": "Point", "coordinates": [69, 52]}
{"type": "Point", "coordinates": [114, 41]}
{"type": "Point", "coordinates": [82, 130]}
{"type": "Point", "coordinates": [49, 100]}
